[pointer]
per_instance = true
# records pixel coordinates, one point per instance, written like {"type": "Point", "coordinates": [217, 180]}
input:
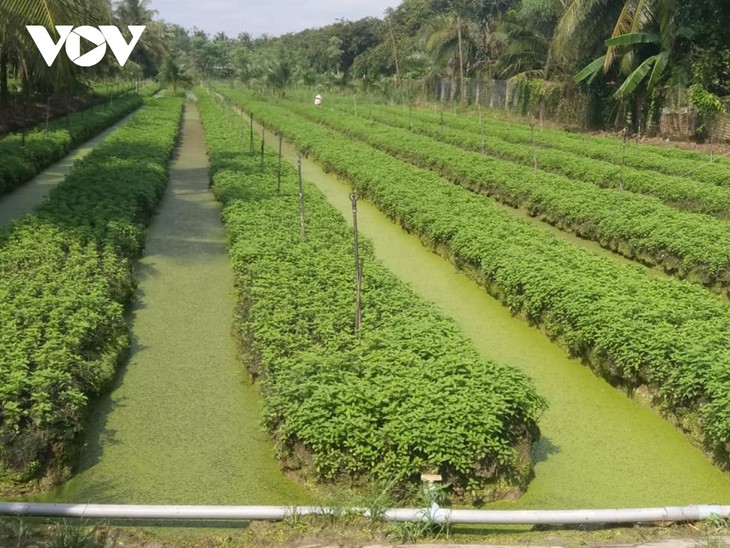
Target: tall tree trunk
{"type": "Point", "coordinates": [395, 53]}
{"type": "Point", "coordinates": [461, 60]}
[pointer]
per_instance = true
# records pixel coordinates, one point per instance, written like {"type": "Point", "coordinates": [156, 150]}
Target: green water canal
{"type": "Point", "coordinates": [182, 424]}
{"type": "Point", "coordinates": [599, 447]}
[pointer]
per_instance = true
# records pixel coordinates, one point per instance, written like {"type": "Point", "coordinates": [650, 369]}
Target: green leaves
{"type": "Point", "coordinates": [409, 394]}
{"type": "Point", "coordinates": [591, 70]}
{"type": "Point", "coordinates": [634, 79]}
{"type": "Point", "coordinates": [688, 245]}
{"type": "Point", "coordinates": [633, 38]}
{"type": "Point", "coordinates": [667, 335]}
{"type": "Point", "coordinates": [19, 162]}
{"type": "Point", "coordinates": [65, 279]}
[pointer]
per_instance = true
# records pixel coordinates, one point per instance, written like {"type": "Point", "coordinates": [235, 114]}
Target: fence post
{"type": "Point", "coordinates": [278, 181]}
{"type": "Point", "coordinates": [263, 136]}
{"type": "Point", "coordinates": [302, 233]}
{"type": "Point", "coordinates": [358, 265]}
{"type": "Point", "coordinates": [250, 140]}
{"type": "Point", "coordinates": [623, 156]}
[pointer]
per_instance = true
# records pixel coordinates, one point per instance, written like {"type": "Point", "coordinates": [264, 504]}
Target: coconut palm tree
{"type": "Point", "coordinates": [452, 41]}
{"type": "Point", "coordinates": [18, 49]}
{"type": "Point", "coordinates": [171, 74]}
{"type": "Point", "coordinates": [152, 45]}
{"type": "Point", "coordinates": [643, 38]}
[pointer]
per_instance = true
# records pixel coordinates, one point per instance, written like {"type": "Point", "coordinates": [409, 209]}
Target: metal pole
{"type": "Point", "coordinates": [434, 513]}
{"type": "Point", "coordinates": [481, 130]}
{"type": "Point", "coordinates": [623, 157]}
{"type": "Point", "coordinates": [358, 266]}
{"type": "Point", "coordinates": [302, 233]}
{"type": "Point", "coordinates": [278, 181]}
{"type": "Point", "coordinates": [251, 135]}
{"type": "Point", "coordinates": [263, 135]}
{"type": "Point", "coordinates": [534, 152]}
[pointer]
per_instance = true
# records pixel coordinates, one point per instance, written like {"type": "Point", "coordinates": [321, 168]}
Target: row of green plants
{"type": "Point", "coordinates": [65, 280]}
{"type": "Point", "coordinates": [667, 160]}
{"type": "Point", "coordinates": [678, 192]}
{"type": "Point", "coordinates": [667, 337]}
{"type": "Point", "coordinates": [407, 394]}
{"type": "Point", "coordinates": [687, 245]}
{"type": "Point", "coordinates": [24, 155]}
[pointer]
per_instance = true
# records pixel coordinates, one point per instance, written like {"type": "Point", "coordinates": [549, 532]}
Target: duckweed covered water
{"type": "Point", "coordinates": [182, 426]}
{"type": "Point", "coordinates": [599, 448]}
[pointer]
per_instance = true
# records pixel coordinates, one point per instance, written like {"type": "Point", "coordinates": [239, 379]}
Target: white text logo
{"type": "Point", "coordinates": [100, 37]}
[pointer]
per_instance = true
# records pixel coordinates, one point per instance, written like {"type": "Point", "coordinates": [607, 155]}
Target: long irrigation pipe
{"type": "Point", "coordinates": [434, 514]}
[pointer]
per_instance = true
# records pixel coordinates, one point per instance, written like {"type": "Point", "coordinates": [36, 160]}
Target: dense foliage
{"type": "Point", "coordinates": [624, 60]}
{"type": "Point", "coordinates": [409, 394]}
{"type": "Point", "coordinates": [669, 336]}
{"type": "Point", "coordinates": [515, 142]}
{"type": "Point", "coordinates": [685, 244]}
{"type": "Point", "coordinates": [65, 279]}
{"type": "Point", "coordinates": [24, 156]}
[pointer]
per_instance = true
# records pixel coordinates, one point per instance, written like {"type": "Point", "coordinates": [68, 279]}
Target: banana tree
{"type": "Point", "coordinates": [642, 52]}
{"type": "Point", "coordinates": [16, 46]}
{"type": "Point", "coordinates": [631, 40]}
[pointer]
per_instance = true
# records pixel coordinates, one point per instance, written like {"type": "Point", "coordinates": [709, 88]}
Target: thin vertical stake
{"type": "Point", "coordinates": [534, 152]}
{"type": "Point", "coordinates": [623, 157]}
{"type": "Point", "coordinates": [302, 233]}
{"type": "Point", "coordinates": [358, 266]}
{"type": "Point", "coordinates": [278, 181]}
{"type": "Point", "coordinates": [481, 130]}
{"type": "Point", "coordinates": [263, 135]}
{"type": "Point", "coordinates": [251, 135]}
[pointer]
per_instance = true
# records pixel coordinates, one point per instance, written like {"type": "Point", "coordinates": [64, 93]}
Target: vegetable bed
{"type": "Point", "coordinates": [408, 395]}
{"type": "Point", "coordinates": [687, 245]}
{"type": "Point", "coordinates": [22, 159]}
{"type": "Point", "coordinates": [65, 279]}
{"type": "Point", "coordinates": [679, 192]}
{"type": "Point", "coordinates": [669, 337]}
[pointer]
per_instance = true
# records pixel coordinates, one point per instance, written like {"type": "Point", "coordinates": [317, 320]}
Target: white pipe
{"type": "Point", "coordinates": [435, 513]}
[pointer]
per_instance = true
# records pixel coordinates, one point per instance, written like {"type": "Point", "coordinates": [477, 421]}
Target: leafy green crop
{"type": "Point", "coordinates": [687, 245]}
{"type": "Point", "coordinates": [667, 160]}
{"type": "Point", "coordinates": [668, 336]}
{"type": "Point", "coordinates": [65, 278]}
{"type": "Point", "coordinates": [410, 394]}
{"type": "Point", "coordinates": [679, 192]}
{"type": "Point", "coordinates": [21, 159]}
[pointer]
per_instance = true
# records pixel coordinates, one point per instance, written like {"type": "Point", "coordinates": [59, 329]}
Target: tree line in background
{"type": "Point", "coordinates": [628, 57]}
